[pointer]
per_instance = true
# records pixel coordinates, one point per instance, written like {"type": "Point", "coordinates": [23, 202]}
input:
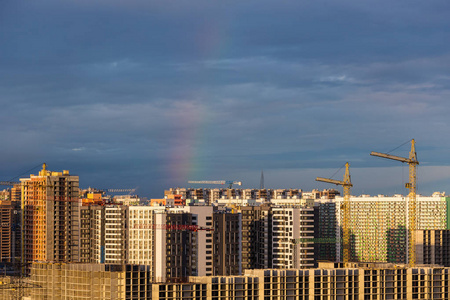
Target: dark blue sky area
{"type": "Point", "coordinates": [151, 94]}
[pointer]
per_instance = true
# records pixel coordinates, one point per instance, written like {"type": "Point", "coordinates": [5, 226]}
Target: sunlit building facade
{"type": "Point", "coordinates": [50, 206]}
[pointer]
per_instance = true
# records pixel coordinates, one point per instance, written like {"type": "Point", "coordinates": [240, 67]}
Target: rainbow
{"type": "Point", "coordinates": [186, 153]}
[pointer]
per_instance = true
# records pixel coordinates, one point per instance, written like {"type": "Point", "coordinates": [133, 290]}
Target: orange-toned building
{"type": "Point", "coordinates": [178, 200]}
{"type": "Point", "coordinates": [50, 206]}
{"type": "Point", "coordinates": [93, 198]}
{"type": "Point", "coordinates": [169, 200]}
{"type": "Point", "coordinates": [161, 202]}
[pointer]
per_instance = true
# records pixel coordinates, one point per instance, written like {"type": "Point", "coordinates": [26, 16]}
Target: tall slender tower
{"type": "Point", "coordinates": [51, 208]}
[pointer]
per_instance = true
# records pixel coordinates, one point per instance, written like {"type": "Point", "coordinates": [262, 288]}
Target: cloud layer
{"type": "Point", "coordinates": [152, 94]}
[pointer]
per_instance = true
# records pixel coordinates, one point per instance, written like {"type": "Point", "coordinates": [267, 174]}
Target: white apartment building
{"type": "Point", "coordinates": [141, 234]}
{"type": "Point", "coordinates": [237, 201]}
{"type": "Point", "coordinates": [127, 200]}
{"type": "Point", "coordinates": [294, 201]}
{"type": "Point", "coordinates": [202, 216]}
{"type": "Point", "coordinates": [292, 237]}
{"type": "Point", "coordinates": [109, 235]}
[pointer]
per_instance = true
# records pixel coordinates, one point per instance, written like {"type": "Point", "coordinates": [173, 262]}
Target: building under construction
{"type": "Point", "coordinates": [50, 205]}
{"type": "Point", "coordinates": [378, 225]}
{"type": "Point", "coordinates": [10, 224]}
{"type": "Point", "coordinates": [328, 281]}
{"type": "Point", "coordinates": [6, 241]}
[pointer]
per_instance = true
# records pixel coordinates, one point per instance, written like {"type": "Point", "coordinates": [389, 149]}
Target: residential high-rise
{"type": "Point", "coordinates": [141, 228]}
{"type": "Point", "coordinates": [16, 228]}
{"type": "Point", "coordinates": [378, 227]}
{"type": "Point", "coordinates": [11, 230]}
{"type": "Point", "coordinates": [292, 237]}
{"type": "Point", "coordinates": [177, 242]}
{"type": "Point", "coordinates": [86, 234]}
{"type": "Point", "coordinates": [211, 196]}
{"type": "Point", "coordinates": [354, 282]}
{"type": "Point", "coordinates": [16, 192]}
{"type": "Point", "coordinates": [108, 234]}
{"type": "Point", "coordinates": [175, 248]}
{"type": "Point", "coordinates": [180, 249]}
{"type": "Point", "coordinates": [6, 222]}
{"type": "Point", "coordinates": [326, 246]}
{"type": "Point", "coordinates": [277, 236]}
{"type": "Point", "coordinates": [256, 237]}
{"type": "Point", "coordinates": [227, 242]}
{"type": "Point", "coordinates": [50, 206]}
{"type": "Point", "coordinates": [433, 247]}
{"type": "Point", "coordinates": [54, 281]}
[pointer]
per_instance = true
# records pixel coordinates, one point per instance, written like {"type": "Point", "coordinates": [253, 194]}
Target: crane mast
{"type": "Point", "coordinates": [411, 186]}
{"type": "Point", "coordinates": [346, 184]}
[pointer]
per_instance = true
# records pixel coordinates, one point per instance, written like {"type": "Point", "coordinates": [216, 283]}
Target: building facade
{"type": "Point", "coordinates": [50, 207]}
{"type": "Point", "coordinates": [256, 237]}
{"type": "Point", "coordinates": [355, 282]}
{"type": "Point", "coordinates": [433, 247]}
{"type": "Point", "coordinates": [6, 231]}
{"type": "Point", "coordinates": [378, 227]}
{"type": "Point", "coordinates": [227, 240]}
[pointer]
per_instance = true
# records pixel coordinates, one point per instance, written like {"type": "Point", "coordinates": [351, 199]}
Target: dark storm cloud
{"type": "Point", "coordinates": [124, 92]}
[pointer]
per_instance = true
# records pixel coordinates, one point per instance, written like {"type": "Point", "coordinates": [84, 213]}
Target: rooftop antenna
{"type": "Point", "coordinates": [261, 183]}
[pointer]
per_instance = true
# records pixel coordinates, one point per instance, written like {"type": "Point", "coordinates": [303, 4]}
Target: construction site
{"type": "Point", "coordinates": [282, 244]}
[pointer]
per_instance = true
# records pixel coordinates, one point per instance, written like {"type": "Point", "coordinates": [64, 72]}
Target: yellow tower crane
{"type": "Point", "coordinates": [411, 185]}
{"type": "Point", "coordinates": [346, 184]}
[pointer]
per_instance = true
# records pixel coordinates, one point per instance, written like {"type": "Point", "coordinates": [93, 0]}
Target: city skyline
{"type": "Point", "coordinates": [150, 95]}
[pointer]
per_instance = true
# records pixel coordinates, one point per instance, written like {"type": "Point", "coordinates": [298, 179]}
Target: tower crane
{"type": "Point", "coordinates": [119, 190]}
{"type": "Point", "coordinates": [411, 185]}
{"type": "Point", "coordinates": [346, 184]}
{"type": "Point", "coordinates": [229, 182]}
{"type": "Point", "coordinates": [8, 183]}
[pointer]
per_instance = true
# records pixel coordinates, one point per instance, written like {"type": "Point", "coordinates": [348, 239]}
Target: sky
{"type": "Point", "coordinates": [150, 94]}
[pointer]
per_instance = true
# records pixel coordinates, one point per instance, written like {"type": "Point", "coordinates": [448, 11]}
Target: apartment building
{"type": "Point", "coordinates": [16, 193]}
{"type": "Point", "coordinates": [227, 241]}
{"type": "Point", "coordinates": [378, 225]}
{"type": "Point", "coordinates": [16, 230]}
{"type": "Point", "coordinates": [256, 237]}
{"type": "Point", "coordinates": [293, 237]}
{"type": "Point", "coordinates": [50, 207]}
{"type": "Point", "coordinates": [141, 226]}
{"type": "Point", "coordinates": [176, 241]}
{"type": "Point", "coordinates": [326, 231]}
{"type": "Point", "coordinates": [86, 234]}
{"type": "Point", "coordinates": [51, 281]}
{"type": "Point", "coordinates": [329, 281]}
{"type": "Point", "coordinates": [128, 200]}
{"type": "Point", "coordinates": [213, 195]}
{"type": "Point", "coordinates": [175, 251]}
{"type": "Point", "coordinates": [109, 234]}
{"type": "Point", "coordinates": [185, 243]}
{"type": "Point", "coordinates": [6, 222]}
{"type": "Point", "coordinates": [11, 224]}
{"type": "Point", "coordinates": [433, 247]}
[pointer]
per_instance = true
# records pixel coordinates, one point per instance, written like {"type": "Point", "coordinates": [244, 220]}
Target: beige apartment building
{"type": "Point", "coordinates": [141, 234]}
{"type": "Point", "coordinates": [329, 281]}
